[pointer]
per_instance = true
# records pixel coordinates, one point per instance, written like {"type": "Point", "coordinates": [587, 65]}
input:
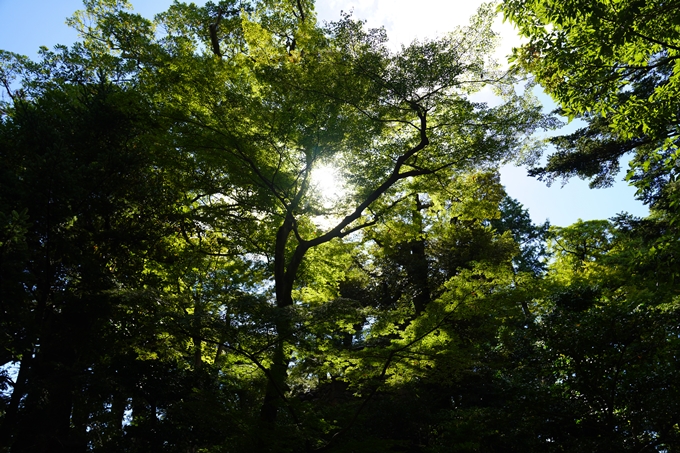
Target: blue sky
{"type": "Point", "coordinates": [29, 24]}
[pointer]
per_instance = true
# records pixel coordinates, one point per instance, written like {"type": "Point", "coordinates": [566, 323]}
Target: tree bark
{"type": "Point", "coordinates": [417, 267]}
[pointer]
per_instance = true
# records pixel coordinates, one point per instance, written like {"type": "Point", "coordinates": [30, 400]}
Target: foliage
{"type": "Point", "coordinates": [531, 238]}
{"type": "Point", "coordinates": [172, 280]}
{"type": "Point", "coordinates": [613, 65]}
{"type": "Point", "coordinates": [606, 317]}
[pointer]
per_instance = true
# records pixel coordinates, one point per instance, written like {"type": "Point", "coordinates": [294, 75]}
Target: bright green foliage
{"type": "Point", "coordinates": [588, 365]}
{"type": "Point", "coordinates": [601, 348]}
{"type": "Point", "coordinates": [173, 281]}
{"type": "Point", "coordinates": [577, 249]}
{"type": "Point", "coordinates": [613, 64]}
{"type": "Point", "coordinates": [228, 293]}
{"type": "Point", "coordinates": [615, 59]}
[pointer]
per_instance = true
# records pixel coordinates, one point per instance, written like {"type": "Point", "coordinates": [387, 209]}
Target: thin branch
{"type": "Point", "coordinates": [655, 41]}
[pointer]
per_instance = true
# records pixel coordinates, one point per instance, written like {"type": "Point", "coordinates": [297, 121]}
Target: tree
{"type": "Point", "coordinates": [531, 238]}
{"type": "Point", "coordinates": [79, 165]}
{"type": "Point", "coordinates": [614, 66]}
{"type": "Point", "coordinates": [285, 96]}
{"type": "Point", "coordinates": [216, 278]}
{"type": "Point", "coordinates": [606, 331]}
{"type": "Point", "coordinates": [591, 369]}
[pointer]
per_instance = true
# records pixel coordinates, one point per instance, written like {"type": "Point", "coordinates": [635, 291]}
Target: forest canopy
{"type": "Point", "coordinates": [172, 279]}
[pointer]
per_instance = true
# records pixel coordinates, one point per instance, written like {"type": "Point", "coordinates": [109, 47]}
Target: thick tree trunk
{"type": "Point", "coordinates": [417, 267]}
{"type": "Point", "coordinates": [117, 415]}
{"type": "Point", "coordinates": [45, 424]}
{"type": "Point", "coordinates": [10, 420]}
{"type": "Point", "coordinates": [79, 418]}
{"type": "Point", "coordinates": [198, 339]}
{"type": "Point", "coordinates": [285, 271]}
{"type": "Point", "coordinates": [284, 276]}
{"type": "Point", "coordinates": [276, 385]}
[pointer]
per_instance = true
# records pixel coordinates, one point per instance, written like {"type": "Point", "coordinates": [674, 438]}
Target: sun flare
{"type": "Point", "coordinates": [327, 183]}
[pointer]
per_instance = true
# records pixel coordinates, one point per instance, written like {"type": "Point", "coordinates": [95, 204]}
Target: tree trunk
{"type": "Point", "coordinates": [45, 425]}
{"type": "Point", "coordinates": [10, 420]}
{"type": "Point", "coordinates": [277, 373]}
{"type": "Point", "coordinates": [416, 266]}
